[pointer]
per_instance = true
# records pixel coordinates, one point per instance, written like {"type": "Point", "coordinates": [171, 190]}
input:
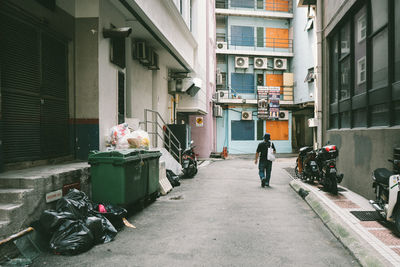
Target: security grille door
{"type": "Point", "coordinates": [54, 122]}
{"type": "Point", "coordinates": [20, 88]}
{"type": "Point", "coordinates": [34, 92]}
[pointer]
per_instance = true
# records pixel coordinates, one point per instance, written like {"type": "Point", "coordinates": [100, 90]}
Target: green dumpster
{"type": "Point", "coordinates": [124, 177]}
{"type": "Point", "coordinates": [151, 172]}
{"type": "Point", "coordinates": [117, 176]}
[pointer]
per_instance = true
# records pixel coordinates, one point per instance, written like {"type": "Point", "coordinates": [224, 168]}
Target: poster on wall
{"type": "Point", "coordinates": [199, 122]}
{"type": "Point", "coordinates": [262, 103]}
{"type": "Point", "coordinates": [274, 94]}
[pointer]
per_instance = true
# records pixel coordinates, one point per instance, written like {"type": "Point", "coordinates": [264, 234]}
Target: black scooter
{"type": "Point", "coordinates": [189, 162]}
{"type": "Point", "coordinates": [326, 159]}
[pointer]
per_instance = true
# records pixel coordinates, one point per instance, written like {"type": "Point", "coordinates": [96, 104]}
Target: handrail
{"type": "Point", "coordinates": [173, 142]}
{"type": "Point", "coordinates": [266, 5]}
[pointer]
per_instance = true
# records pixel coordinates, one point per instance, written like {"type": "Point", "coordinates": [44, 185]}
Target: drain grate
{"type": "Point", "coordinates": [291, 172]}
{"type": "Point", "coordinates": [367, 215]}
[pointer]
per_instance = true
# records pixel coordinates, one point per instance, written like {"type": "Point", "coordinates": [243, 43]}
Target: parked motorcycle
{"type": "Point", "coordinates": [326, 160]}
{"type": "Point", "coordinates": [189, 162]}
{"type": "Point", "coordinates": [306, 165]}
{"type": "Point", "coordinates": [387, 188]}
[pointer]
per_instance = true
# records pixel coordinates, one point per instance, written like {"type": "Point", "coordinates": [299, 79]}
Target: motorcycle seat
{"type": "Point", "coordinates": [382, 175]}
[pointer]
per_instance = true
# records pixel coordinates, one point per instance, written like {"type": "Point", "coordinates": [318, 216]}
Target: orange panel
{"type": "Point", "coordinates": [277, 5]}
{"type": "Point", "coordinates": [274, 80]}
{"type": "Point", "coordinates": [277, 38]}
{"type": "Point", "coordinates": [279, 130]}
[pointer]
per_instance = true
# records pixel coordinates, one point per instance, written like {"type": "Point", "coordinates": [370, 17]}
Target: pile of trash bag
{"type": "Point", "coordinates": [122, 137]}
{"type": "Point", "coordinates": [173, 178]}
{"type": "Point", "coordinates": [77, 224]}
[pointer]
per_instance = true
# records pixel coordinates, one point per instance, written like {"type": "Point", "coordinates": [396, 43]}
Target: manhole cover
{"type": "Point", "coordinates": [367, 215]}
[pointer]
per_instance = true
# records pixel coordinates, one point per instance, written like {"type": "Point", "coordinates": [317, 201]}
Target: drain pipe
{"type": "Point", "coordinates": [319, 71]}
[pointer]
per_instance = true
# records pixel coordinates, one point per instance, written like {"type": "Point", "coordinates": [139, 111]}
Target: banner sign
{"type": "Point", "coordinates": [262, 102]}
{"type": "Point", "coordinates": [268, 102]}
{"type": "Point", "coordinates": [274, 95]}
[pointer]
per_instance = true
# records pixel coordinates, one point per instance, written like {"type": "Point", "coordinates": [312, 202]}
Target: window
{"type": "Point", "coordinates": [362, 28]}
{"type": "Point", "coordinates": [380, 59]}
{"type": "Point", "coordinates": [397, 40]}
{"type": "Point", "coordinates": [362, 93]}
{"type": "Point", "coordinates": [242, 130]}
{"type": "Point", "coordinates": [260, 36]}
{"type": "Point", "coordinates": [361, 70]}
{"type": "Point", "coordinates": [242, 83]}
{"type": "Point", "coordinates": [260, 4]}
{"type": "Point", "coordinates": [379, 10]}
{"type": "Point", "coordinates": [242, 36]}
{"type": "Point", "coordinates": [345, 78]}
{"type": "Point", "coordinates": [260, 130]}
{"type": "Point", "coordinates": [121, 97]}
{"type": "Point", "coordinates": [242, 3]}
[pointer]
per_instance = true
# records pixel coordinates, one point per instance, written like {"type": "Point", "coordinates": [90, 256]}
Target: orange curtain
{"type": "Point", "coordinates": [277, 38]}
{"type": "Point", "coordinates": [277, 5]}
{"type": "Point", "coordinates": [279, 130]}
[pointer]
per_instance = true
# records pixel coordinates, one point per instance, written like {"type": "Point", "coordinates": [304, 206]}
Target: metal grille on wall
{"type": "Point", "coordinates": [33, 71]}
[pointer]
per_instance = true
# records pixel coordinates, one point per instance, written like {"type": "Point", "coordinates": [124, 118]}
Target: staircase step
{"type": "Point", "coordinates": [8, 209]}
{"type": "Point", "coordinates": [11, 195]}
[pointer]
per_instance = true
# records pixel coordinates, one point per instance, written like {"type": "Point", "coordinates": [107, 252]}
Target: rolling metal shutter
{"type": "Point", "coordinates": [34, 92]}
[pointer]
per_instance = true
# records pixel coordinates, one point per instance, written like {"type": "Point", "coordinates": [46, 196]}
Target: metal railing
{"type": "Point", "coordinates": [172, 143]}
{"type": "Point", "coordinates": [265, 5]}
{"type": "Point", "coordinates": [244, 93]}
{"type": "Point", "coordinates": [267, 43]}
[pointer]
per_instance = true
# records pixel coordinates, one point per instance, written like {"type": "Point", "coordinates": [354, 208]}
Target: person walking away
{"type": "Point", "coordinates": [265, 165]}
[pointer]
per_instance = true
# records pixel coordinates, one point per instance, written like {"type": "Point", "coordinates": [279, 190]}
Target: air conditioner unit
{"type": "Point", "coordinates": [280, 63]}
{"type": "Point", "coordinates": [222, 94]}
{"type": "Point", "coordinates": [222, 46]}
{"type": "Point", "coordinates": [241, 62]}
{"type": "Point", "coordinates": [261, 63]}
{"type": "Point", "coordinates": [283, 115]}
{"type": "Point", "coordinates": [247, 115]}
{"type": "Point", "coordinates": [140, 50]}
{"type": "Point", "coordinates": [219, 79]}
{"type": "Point", "coordinates": [217, 111]}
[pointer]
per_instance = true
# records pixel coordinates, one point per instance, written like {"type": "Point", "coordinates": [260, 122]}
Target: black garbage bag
{"type": "Point", "coordinates": [108, 231]}
{"type": "Point", "coordinates": [114, 214]}
{"type": "Point", "coordinates": [173, 178]}
{"type": "Point", "coordinates": [95, 225]}
{"type": "Point", "coordinates": [72, 238]}
{"type": "Point", "coordinates": [75, 202]}
{"type": "Point", "coordinates": [50, 220]}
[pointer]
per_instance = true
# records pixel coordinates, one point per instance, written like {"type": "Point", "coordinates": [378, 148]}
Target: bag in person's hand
{"type": "Point", "coordinates": [270, 154]}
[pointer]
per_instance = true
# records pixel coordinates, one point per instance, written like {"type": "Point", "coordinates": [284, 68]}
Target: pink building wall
{"type": "Point", "coordinates": [204, 138]}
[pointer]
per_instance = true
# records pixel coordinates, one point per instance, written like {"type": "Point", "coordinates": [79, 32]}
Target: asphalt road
{"type": "Point", "coordinates": [222, 217]}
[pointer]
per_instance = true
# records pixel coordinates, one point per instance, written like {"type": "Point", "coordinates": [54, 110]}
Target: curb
{"type": "Point", "coordinates": [365, 254]}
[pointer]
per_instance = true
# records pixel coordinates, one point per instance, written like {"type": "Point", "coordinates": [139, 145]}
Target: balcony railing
{"type": "Point", "coordinates": [246, 42]}
{"type": "Point", "coordinates": [259, 5]}
{"type": "Point", "coordinates": [247, 93]}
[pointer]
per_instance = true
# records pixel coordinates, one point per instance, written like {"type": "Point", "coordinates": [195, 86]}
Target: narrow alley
{"type": "Point", "coordinates": [222, 217]}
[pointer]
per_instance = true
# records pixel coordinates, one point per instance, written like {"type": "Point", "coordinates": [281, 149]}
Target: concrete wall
{"type": "Point", "coordinates": [304, 45]}
{"type": "Point", "coordinates": [179, 39]}
{"type": "Point", "coordinates": [204, 32]}
{"type": "Point", "coordinates": [108, 72]}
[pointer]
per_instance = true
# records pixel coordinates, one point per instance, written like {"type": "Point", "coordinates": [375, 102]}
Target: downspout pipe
{"type": "Point", "coordinates": [319, 70]}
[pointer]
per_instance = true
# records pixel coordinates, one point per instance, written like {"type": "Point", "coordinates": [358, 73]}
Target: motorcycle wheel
{"type": "Point", "coordinates": [296, 171]}
{"type": "Point", "coordinates": [333, 183]}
